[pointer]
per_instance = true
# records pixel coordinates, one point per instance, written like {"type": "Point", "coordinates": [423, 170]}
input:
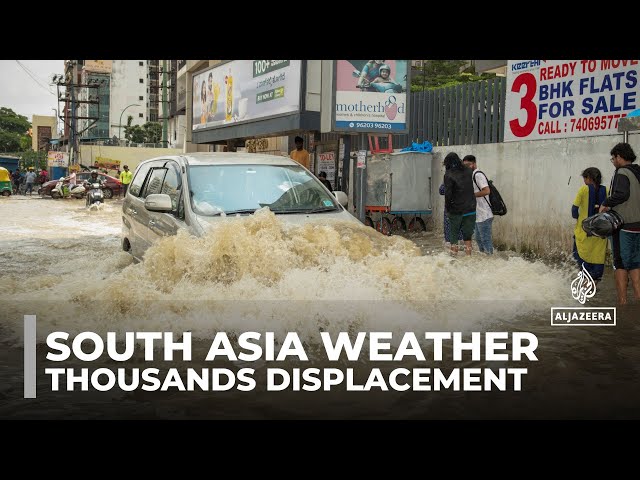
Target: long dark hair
{"type": "Point", "coordinates": [594, 175]}
{"type": "Point", "coordinates": [452, 162]}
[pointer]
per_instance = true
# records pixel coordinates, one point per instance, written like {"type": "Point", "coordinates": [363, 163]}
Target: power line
{"type": "Point", "coordinates": [34, 78]}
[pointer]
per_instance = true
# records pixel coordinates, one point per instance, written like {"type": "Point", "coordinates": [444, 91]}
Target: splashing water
{"type": "Point", "coordinates": [257, 273]}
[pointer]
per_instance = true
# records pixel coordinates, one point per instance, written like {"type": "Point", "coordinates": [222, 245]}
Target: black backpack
{"type": "Point", "coordinates": [498, 207]}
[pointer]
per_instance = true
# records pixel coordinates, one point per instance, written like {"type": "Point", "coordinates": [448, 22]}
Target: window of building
{"type": "Point", "coordinates": [141, 64]}
{"type": "Point", "coordinates": [142, 80]}
{"type": "Point", "coordinates": [141, 115]}
{"type": "Point", "coordinates": [140, 97]}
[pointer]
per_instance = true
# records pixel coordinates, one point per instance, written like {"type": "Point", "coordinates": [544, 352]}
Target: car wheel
{"type": "Point", "coordinates": [6, 193]}
{"type": "Point", "coordinates": [40, 191]}
{"type": "Point", "coordinates": [55, 195]}
{"type": "Point", "coordinates": [108, 193]}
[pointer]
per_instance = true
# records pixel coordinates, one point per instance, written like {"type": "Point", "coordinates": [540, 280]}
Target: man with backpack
{"type": "Point", "coordinates": [484, 216]}
{"type": "Point", "coordinates": [624, 199]}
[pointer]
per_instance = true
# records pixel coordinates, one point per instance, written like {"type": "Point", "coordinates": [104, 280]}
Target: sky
{"type": "Point", "coordinates": [26, 90]}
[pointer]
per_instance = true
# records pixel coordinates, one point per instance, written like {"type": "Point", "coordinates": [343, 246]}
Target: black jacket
{"type": "Point", "coordinates": [458, 191]}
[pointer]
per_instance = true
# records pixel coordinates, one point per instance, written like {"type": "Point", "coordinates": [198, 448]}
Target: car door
{"type": "Point", "coordinates": [163, 223]}
{"type": "Point", "coordinates": [134, 215]}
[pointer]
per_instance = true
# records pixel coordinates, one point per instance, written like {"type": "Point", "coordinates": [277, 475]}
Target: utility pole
{"type": "Point", "coordinates": [70, 98]}
{"type": "Point", "coordinates": [165, 120]}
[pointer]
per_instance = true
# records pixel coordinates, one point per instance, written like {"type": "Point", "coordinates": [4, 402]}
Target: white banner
{"type": "Point", "coordinates": [327, 163]}
{"type": "Point", "coordinates": [568, 98]}
{"type": "Point", "coordinates": [57, 159]}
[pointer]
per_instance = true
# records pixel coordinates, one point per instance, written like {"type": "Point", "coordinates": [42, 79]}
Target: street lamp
{"type": "Point", "coordinates": [120, 123]}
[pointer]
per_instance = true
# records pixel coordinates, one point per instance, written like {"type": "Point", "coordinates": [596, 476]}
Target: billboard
{"type": "Point", "coordinates": [57, 159]}
{"type": "Point", "coordinates": [568, 98]}
{"type": "Point", "coordinates": [371, 96]}
{"type": "Point", "coordinates": [245, 90]}
{"type": "Point", "coordinates": [98, 66]}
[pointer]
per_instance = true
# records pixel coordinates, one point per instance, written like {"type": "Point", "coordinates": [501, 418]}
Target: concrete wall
{"type": "Point", "coordinates": [538, 181]}
{"type": "Point", "coordinates": [127, 155]}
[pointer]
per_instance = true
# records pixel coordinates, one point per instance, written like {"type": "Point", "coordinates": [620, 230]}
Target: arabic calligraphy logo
{"type": "Point", "coordinates": [583, 286]}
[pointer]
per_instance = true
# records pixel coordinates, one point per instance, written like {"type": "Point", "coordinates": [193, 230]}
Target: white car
{"type": "Point", "coordinates": [193, 191]}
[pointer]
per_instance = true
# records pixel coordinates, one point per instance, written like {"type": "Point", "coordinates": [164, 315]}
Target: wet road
{"type": "Point", "coordinates": [64, 264]}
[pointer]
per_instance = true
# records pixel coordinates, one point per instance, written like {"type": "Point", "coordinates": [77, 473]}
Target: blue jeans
{"type": "Point", "coordinates": [484, 236]}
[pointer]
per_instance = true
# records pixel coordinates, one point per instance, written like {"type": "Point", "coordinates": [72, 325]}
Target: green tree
{"type": "Point", "coordinates": [152, 132]}
{"type": "Point", "coordinates": [134, 133]}
{"type": "Point", "coordinates": [445, 73]}
{"type": "Point", "coordinates": [13, 131]}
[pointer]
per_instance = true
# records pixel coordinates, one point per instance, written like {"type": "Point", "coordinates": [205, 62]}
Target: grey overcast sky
{"type": "Point", "coordinates": [24, 86]}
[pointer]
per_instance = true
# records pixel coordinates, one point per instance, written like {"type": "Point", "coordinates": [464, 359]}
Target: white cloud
{"type": "Point", "coordinates": [22, 93]}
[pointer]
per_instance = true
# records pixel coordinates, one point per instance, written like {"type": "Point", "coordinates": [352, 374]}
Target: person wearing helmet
{"type": "Point", "coordinates": [589, 248]}
{"type": "Point", "coordinates": [383, 82]}
{"type": "Point", "coordinates": [369, 72]}
{"type": "Point", "coordinates": [93, 179]}
{"type": "Point", "coordinates": [624, 199]}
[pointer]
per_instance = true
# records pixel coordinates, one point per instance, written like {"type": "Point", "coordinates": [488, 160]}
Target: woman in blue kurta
{"type": "Point", "coordinates": [589, 251]}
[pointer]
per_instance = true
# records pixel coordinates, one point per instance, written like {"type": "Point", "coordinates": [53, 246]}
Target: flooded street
{"type": "Point", "coordinates": [64, 264]}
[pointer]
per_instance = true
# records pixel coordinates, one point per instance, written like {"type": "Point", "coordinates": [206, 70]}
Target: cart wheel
{"type": "Point", "coordinates": [417, 225]}
{"type": "Point", "coordinates": [385, 226]}
{"type": "Point", "coordinates": [368, 222]}
{"type": "Point", "coordinates": [398, 225]}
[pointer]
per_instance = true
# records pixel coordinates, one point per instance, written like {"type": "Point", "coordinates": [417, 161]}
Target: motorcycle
{"type": "Point", "coordinates": [61, 190]}
{"type": "Point", "coordinates": [95, 195]}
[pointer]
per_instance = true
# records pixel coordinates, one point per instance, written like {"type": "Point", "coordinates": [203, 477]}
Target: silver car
{"type": "Point", "coordinates": [193, 191]}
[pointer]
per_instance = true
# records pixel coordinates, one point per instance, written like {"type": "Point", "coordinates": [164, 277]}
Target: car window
{"type": "Point", "coordinates": [214, 189]}
{"type": "Point", "coordinates": [138, 179]}
{"type": "Point", "coordinates": [154, 182]}
{"type": "Point", "coordinates": [171, 185]}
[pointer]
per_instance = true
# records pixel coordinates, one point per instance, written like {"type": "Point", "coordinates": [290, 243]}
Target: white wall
{"type": "Point", "coordinates": [538, 181]}
{"type": "Point", "coordinates": [126, 89]}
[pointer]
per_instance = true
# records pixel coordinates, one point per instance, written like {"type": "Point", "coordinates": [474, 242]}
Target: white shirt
{"type": "Point", "coordinates": [483, 210]}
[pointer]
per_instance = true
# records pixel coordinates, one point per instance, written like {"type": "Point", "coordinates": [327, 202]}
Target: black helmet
{"type": "Point", "coordinates": [602, 224]}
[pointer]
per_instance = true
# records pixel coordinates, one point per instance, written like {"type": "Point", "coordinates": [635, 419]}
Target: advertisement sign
{"type": "Point", "coordinates": [98, 66]}
{"type": "Point", "coordinates": [327, 163]}
{"type": "Point", "coordinates": [57, 159]}
{"type": "Point", "coordinates": [106, 163]}
{"type": "Point", "coordinates": [245, 90]}
{"type": "Point", "coordinates": [371, 96]}
{"type": "Point", "coordinates": [568, 98]}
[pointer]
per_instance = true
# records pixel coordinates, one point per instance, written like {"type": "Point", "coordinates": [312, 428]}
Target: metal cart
{"type": "Point", "coordinates": [398, 191]}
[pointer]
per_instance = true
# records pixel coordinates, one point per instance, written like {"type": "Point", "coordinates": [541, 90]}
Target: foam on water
{"type": "Point", "coordinates": [256, 273]}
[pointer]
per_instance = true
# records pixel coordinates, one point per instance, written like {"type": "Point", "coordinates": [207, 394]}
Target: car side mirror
{"type": "Point", "coordinates": [158, 202]}
{"type": "Point", "coordinates": [342, 198]}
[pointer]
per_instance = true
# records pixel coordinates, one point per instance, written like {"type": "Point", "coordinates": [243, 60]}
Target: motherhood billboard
{"type": "Point", "coordinates": [245, 90]}
{"type": "Point", "coordinates": [568, 98]}
{"type": "Point", "coordinates": [371, 96]}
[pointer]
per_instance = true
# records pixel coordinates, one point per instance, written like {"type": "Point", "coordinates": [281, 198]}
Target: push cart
{"type": "Point", "coordinates": [398, 191]}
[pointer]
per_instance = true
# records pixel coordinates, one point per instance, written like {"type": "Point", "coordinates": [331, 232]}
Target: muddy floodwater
{"type": "Point", "coordinates": [296, 287]}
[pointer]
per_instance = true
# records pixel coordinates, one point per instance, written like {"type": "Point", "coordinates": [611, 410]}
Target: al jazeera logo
{"type": "Point", "coordinates": [583, 288]}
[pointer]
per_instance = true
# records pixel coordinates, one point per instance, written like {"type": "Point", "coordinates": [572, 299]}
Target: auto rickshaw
{"type": "Point", "coordinates": [5, 182]}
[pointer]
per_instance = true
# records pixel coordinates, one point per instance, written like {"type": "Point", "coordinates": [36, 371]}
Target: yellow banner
{"type": "Point", "coordinates": [107, 163]}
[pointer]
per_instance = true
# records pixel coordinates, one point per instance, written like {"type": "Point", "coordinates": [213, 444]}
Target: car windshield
{"type": "Point", "coordinates": [229, 189]}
